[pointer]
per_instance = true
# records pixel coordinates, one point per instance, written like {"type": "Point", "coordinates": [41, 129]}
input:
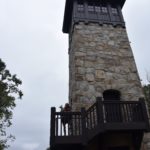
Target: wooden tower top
{"type": "Point", "coordinates": [71, 6]}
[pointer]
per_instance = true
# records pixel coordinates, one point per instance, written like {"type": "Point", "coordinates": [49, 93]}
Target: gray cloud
{"type": "Point", "coordinates": [136, 15]}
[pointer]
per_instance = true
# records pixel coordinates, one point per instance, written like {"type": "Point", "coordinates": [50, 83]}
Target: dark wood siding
{"type": "Point", "coordinates": [83, 16]}
{"type": "Point", "coordinates": [96, 12]}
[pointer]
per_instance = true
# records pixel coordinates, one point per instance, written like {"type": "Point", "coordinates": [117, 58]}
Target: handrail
{"type": "Point", "coordinates": [121, 102]}
{"type": "Point", "coordinates": [66, 113]}
{"type": "Point", "coordinates": [91, 107]}
{"type": "Point", "coordinates": [122, 111]}
{"type": "Point", "coordinates": [101, 113]}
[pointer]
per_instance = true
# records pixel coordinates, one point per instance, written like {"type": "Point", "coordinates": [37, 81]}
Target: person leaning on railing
{"type": "Point", "coordinates": [67, 107]}
{"type": "Point", "coordinates": [66, 118]}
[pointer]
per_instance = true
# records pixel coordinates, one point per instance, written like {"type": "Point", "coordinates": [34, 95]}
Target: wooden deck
{"type": "Point", "coordinates": [103, 116]}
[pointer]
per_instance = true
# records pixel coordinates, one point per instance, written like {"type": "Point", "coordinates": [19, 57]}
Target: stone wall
{"type": "Point", "coordinates": [100, 58]}
{"type": "Point", "coordinates": [146, 142]}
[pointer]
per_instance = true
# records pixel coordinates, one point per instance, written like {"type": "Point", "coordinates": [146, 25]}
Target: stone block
{"type": "Point", "coordinates": [90, 58]}
{"type": "Point", "coordinates": [92, 44]}
{"type": "Point", "coordinates": [99, 74]}
{"type": "Point", "coordinates": [79, 77]}
{"type": "Point", "coordinates": [112, 43]}
{"type": "Point", "coordinates": [80, 54]}
{"type": "Point", "coordinates": [83, 86]}
{"type": "Point", "coordinates": [90, 77]}
{"type": "Point", "coordinates": [81, 49]}
{"type": "Point", "coordinates": [80, 70]}
{"type": "Point", "coordinates": [79, 62]}
{"type": "Point", "coordinates": [91, 88]}
{"type": "Point", "coordinates": [89, 64]}
{"type": "Point", "coordinates": [90, 70]}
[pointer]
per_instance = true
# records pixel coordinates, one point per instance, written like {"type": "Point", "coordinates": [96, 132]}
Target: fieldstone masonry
{"type": "Point", "coordinates": [100, 59]}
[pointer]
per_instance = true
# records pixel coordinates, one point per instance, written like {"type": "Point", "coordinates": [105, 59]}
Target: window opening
{"type": "Point", "coordinates": [112, 112]}
{"type": "Point", "coordinates": [111, 95]}
{"type": "Point", "coordinates": [114, 11]}
{"type": "Point", "coordinates": [80, 7]}
{"type": "Point", "coordinates": [104, 9]}
{"type": "Point", "coordinates": [90, 8]}
{"type": "Point", "coordinates": [97, 9]}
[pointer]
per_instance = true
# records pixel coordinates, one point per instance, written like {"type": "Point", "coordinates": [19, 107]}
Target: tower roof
{"type": "Point", "coordinates": [69, 8]}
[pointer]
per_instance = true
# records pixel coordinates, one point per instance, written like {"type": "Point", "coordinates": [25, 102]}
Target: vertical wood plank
{"type": "Point", "coordinates": [144, 112]}
{"type": "Point", "coordinates": [100, 114]}
{"type": "Point", "coordinates": [84, 133]}
{"type": "Point", "coordinates": [52, 129]}
{"type": "Point", "coordinates": [121, 16]}
{"type": "Point", "coordinates": [110, 12]}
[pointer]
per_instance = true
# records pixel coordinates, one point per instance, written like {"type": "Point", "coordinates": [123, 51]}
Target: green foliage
{"type": "Point", "coordinates": [9, 89]}
{"type": "Point", "coordinates": [146, 90]}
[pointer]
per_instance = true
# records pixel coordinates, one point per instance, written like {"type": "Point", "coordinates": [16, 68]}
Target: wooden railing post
{"type": "Point", "coordinates": [52, 128]}
{"type": "Point", "coordinates": [84, 134]}
{"type": "Point", "coordinates": [99, 107]}
{"type": "Point", "coordinates": [145, 112]}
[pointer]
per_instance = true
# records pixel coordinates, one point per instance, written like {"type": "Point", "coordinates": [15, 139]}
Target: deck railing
{"type": "Point", "coordinates": [66, 123]}
{"type": "Point", "coordinates": [123, 112]}
{"type": "Point", "coordinates": [92, 117]}
{"type": "Point", "coordinates": [100, 114]}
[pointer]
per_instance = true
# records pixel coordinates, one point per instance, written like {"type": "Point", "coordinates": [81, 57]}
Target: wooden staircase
{"type": "Point", "coordinates": [102, 117]}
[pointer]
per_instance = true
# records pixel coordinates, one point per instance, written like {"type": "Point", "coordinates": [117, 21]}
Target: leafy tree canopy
{"type": "Point", "coordinates": [9, 89]}
{"type": "Point", "coordinates": [146, 90]}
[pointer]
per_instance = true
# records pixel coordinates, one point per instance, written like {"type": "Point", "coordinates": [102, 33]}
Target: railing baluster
{"type": "Point", "coordinates": [83, 114]}
{"type": "Point", "coordinates": [136, 113]}
{"type": "Point", "coordinates": [144, 112]}
{"type": "Point", "coordinates": [78, 121]}
{"type": "Point", "coordinates": [127, 110]}
{"type": "Point", "coordinates": [99, 107]}
{"type": "Point", "coordinates": [56, 125]}
{"type": "Point", "coordinates": [139, 116]}
{"type": "Point", "coordinates": [127, 116]}
{"type": "Point", "coordinates": [61, 126]}
{"type": "Point", "coordinates": [124, 118]}
{"type": "Point", "coordinates": [73, 125]}
{"type": "Point", "coordinates": [52, 130]}
{"type": "Point", "coordinates": [114, 113]}
{"type": "Point", "coordinates": [118, 112]}
{"type": "Point", "coordinates": [93, 117]}
{"type": "Point", "coordinates": [131, 112]}
{"type": "Point", "coordinates": [140, 112]}
{"type": "Point", "coordinates": [75, 120]}
{"type": "Point", "coordinates": [90, 119]}
{"type": "Point", "coordinates": [114, 116]}
{"type": "Point", "coordinates": [79, 124]}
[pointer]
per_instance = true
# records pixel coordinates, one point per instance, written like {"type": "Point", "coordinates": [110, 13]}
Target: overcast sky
{"type": "Point", "coordinates": [33, 47]}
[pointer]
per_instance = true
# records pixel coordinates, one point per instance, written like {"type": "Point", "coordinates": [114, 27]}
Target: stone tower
{"type": "Point", "coordinates": [102, 69]}
{"type": "Point", "coordinates": [101, 62]}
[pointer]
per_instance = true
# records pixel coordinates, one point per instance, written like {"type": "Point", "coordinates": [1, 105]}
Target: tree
{"type": "Point", "coordinates": [9, 91]}
{"type": "Point", "coordinates": [146, 91]}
